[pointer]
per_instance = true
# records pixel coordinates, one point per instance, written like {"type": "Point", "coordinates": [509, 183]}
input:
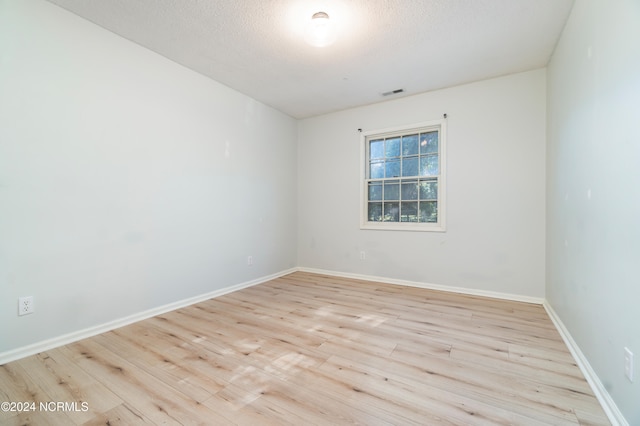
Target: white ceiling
{"type": "Point", "coordinates": [257, 46]}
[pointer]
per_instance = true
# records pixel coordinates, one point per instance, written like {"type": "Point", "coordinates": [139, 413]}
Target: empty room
{"type": "Point", "coordinates": [385, 212]}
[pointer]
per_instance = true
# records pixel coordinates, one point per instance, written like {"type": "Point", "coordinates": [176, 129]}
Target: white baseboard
{"type": "Point", "coordinates": [65, 339]}
{"type": "Point", "coordinates": [608, 405]}
{"type": "Point", "coordinates": [439, 287]}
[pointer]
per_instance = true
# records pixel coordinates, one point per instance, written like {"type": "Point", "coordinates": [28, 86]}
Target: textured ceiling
{"type": "Point", "coordinates": [257, 46]}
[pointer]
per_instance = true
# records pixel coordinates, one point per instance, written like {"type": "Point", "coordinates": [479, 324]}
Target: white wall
{"type": "Point", "coordinates": [127, 181]}
{"type": "Point", "coordinates": [593, 164]}
{"type": "Point", "coordinates": [496, 182]}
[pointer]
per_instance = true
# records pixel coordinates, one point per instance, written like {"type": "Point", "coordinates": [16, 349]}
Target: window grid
{"type": "Point", "coordinates": [403, 163]}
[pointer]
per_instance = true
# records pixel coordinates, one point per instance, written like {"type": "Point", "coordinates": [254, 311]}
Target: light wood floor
{"type": "Point", "coordinates": [307, 349]}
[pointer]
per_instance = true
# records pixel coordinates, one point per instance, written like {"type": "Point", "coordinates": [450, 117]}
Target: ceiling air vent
{"type": "Point", "coordinates": [393, 92]}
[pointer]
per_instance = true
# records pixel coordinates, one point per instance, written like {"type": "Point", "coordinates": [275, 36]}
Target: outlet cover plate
{"type": "Point", "coordinates": [25, 305]}
{"type": "Point", "coordinates": [628, 364]}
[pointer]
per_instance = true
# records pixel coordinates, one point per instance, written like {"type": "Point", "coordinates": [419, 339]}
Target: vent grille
{"type": "Point", "coordinates": [393, 92]}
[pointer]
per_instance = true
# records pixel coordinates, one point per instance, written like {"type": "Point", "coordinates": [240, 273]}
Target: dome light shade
{"type": "Point", "coordinates": [320, 31]}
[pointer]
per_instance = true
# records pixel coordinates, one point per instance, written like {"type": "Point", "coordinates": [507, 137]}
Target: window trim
{"type": "Point", "coordinates": [440, 225]}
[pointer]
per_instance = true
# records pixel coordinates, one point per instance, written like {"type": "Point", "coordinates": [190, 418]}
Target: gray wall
{"type": "Point", "coordinates": [593, 181]}
{"type": "Point", "coordinates": [127, 182]}
{"type": "Point", "coordinates": [495, 190]}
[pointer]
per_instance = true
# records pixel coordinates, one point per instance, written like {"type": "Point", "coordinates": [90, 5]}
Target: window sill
{"type": "Point", "coordinates": [394, 226]}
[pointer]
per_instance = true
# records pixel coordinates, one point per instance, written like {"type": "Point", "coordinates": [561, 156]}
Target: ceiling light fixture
{"type": "Point", "coordinates": [320, 31]}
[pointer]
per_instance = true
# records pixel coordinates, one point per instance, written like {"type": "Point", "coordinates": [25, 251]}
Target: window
{"type": "Point", "coordinates": [403, 184]}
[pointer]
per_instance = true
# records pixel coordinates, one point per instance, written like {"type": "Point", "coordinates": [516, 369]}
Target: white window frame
{"type": "Point", "coordinates": [365, 136]}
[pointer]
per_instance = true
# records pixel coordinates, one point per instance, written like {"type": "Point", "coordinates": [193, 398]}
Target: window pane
{"type": "Point", "coordinates": [410, 166]}
{"type": "Point", "coordinates": [429, 142]}
{"type": "Point", "coordinates": [392, 190]}
{"type": "Point", "coordinates": [391, 212]}
{"type": "Point", "coordinates": [410, 190]}
{"type": "Point", "coordinates": [392, 148]}
{"type": "Point", "coordinates": [428, 211]}
{"type": "Point", "coordinates": [403, 176]}
{"type": "Point", "coordinates": [429, 165]}
{"type": "Point", "coordinates": [410, 145]}
{"type": "Point", "coordinates": [376, 171]}
{"type": "Point", "coordinates": [392, 168]}
{"type": "Point", "coordinates": [375, 212]}
{"type": "Point", "coordinates": [409, 212]}
{"type": "Point", "coordinates": [429, 190]}
{"type": "Point", "coordinates": [376, 149]}
{"type": "Point", "coordinates": [375, 191]}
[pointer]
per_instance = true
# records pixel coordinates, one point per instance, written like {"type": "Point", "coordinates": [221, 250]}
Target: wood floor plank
{"type": "Point", "coordinates": [121, 415]}
{"type": "Point", "coordinates": [495, 386]}
{"type": "Point", "coordinates": [181, 376]}
{"type": "Point", "coordinates": [147, 394]}
{"type": "Point", "coordinates": [18, 387]}
{"type": "Point", "coordinates": [59, 388]}
{"type": "Point", "coordinates": [485, 393]}
{"type": "Point", "coordinates": [559, 376]}
{"type": "Point", "coordinates": [80, 385]}
{"type": "Point", "coordinates": [421, 397]}
{"type": "Point", "coordinates": [319, 350]}
{"type": "Point", "coordinates": [378, 405]}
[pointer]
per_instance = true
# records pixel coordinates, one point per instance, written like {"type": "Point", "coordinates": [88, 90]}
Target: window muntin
{"type": "Point", "coordinates": [403, 178]}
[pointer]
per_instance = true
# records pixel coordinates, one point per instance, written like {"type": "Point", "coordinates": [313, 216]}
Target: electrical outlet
{"type": "Point", "coordinates": [249, 260]}
{"type": "Point", "coordinates": [628, 364]}
{"type": "Point", "coordinates": [363, 255]}
{"type": "Point", "coordinates": [25, 305]}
